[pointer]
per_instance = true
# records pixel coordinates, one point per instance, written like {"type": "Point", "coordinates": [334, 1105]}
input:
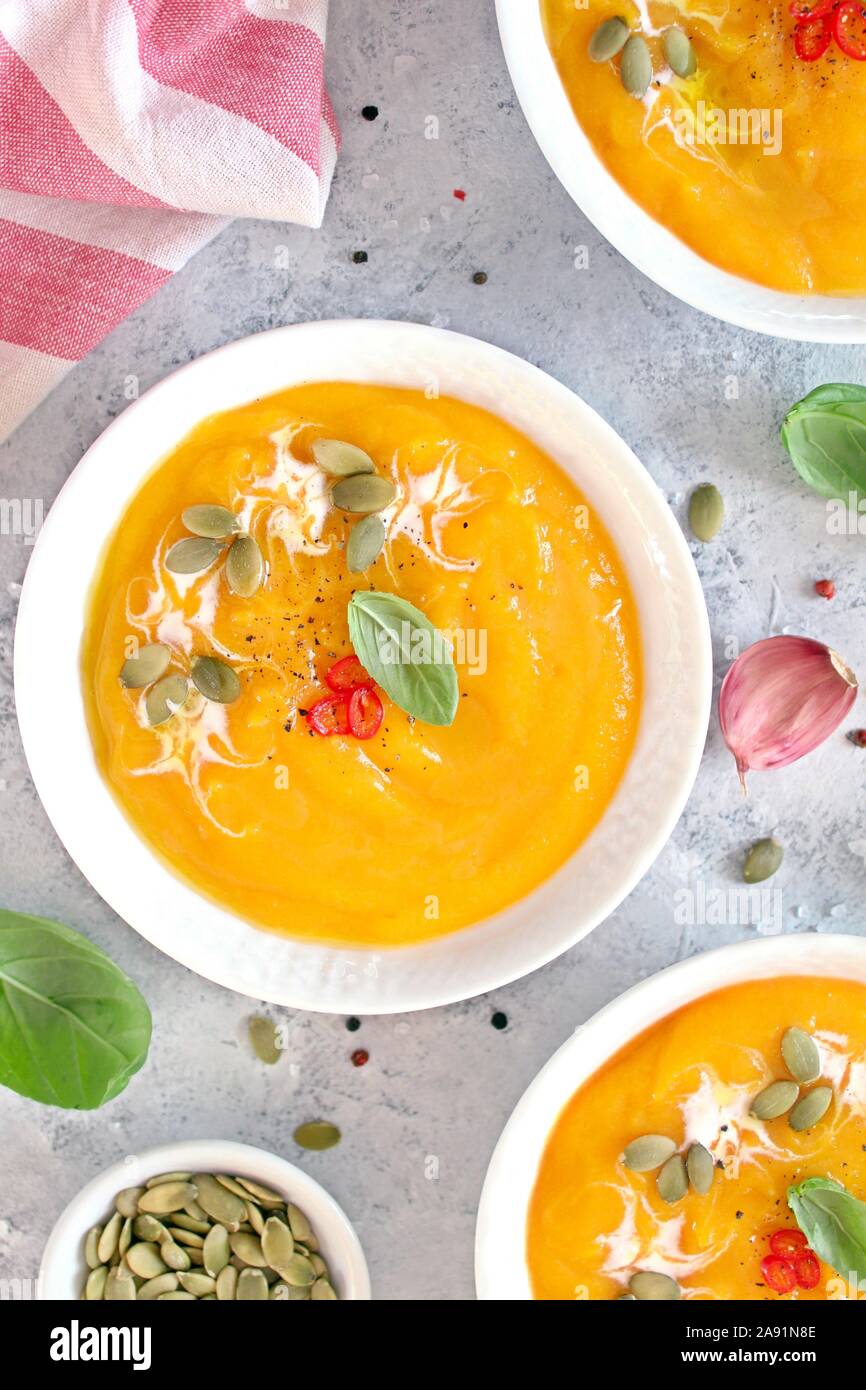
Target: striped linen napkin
{"type": "Point", "coordinates": [130, 131]}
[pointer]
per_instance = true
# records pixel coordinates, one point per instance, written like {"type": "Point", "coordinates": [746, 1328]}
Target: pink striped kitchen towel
{"type": "Point", "coordinates": [130, 130]}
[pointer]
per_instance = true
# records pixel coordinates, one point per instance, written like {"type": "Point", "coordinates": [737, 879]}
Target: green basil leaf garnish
{"type": "Point", "coordinates": [405, 654]}
{"type": "Point", "coordinates": [825, 435]}
{"type": "Point", "coordinates": [834, 1223]}
{"type": "Point", "coordinates": [73, 1028]}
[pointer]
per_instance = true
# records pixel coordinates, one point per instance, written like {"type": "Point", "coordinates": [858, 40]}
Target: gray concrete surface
{"type": "Point", "coordinates": [695, 398]}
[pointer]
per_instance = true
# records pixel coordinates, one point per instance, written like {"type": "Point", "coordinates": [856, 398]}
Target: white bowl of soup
{"type": "Point", "coordinates": [572, 1210]}
{"type": "Point", "coordinates": [736, 188]}
{"type": "Point", "coordinates": [420, 858]}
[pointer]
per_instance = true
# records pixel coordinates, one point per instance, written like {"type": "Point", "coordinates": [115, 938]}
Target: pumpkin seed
{"type": "Point", "coordinates": [220, 1204]}
{"type": "Point", "coordinates": [165, 699]}
{"type": "Point", "coordinates": [341, 460]}
{"type": "Point", "coordinates": [762, 860]}
{"type": "Point", "coordinates": [145, 1260]}
{"type": "Point", "coordinates": [119, 1285]}
{"type": "Point", "coordinates": [263, 1036]}
{"type": "Point", "coordinates": [774, 1100]}
{"type": "Point", "coordinates": [319, 1265]}
{"type": "Point", "coordinates": [365, 543]}
{"type": "Point", "coordinates": [255, 1218]}
{"type": "Point", "coordinates": [322, 1291]}
{"type": "Point", "coordinates": [317, 1134]}
{"type": "Point", "coordinates": [207, 519]}
{"type": "Point", "coordinates": [216, 1250]}
{"type": "Point", "coordinates": [232, 1184]}
{"type": "Point", "coordinates": [647, 1153]}
{"type": "Point", "coordinates": [608, 39]}
{"type": "Point", "coordinates": [679, 52]}
{"type": "Point", "coordinates": [106, 1246]}
{"type": "Point", "coordinates": [647, 1286]}
{"type": "Point", "coordinates": [626, 1298]}
{"type": "Point", "coordinates": [298, 1223]}
{"type": "Point", "coordinates": [197, 1283]}
{"type": "Point", "coordinates": [364, 492]}
{"type": "Point", "coordinates": [167, 1197]}
{"type": "Point", "coordinates": [252, 1284]}
{"type": "Point", "coordinates": [174, 1255]}
{"type": "Point", "coordinates": [227, 1283]}
{"type": "Point", "coordinates": [124, 1240]}
{"type": "Point", "coordinates": [215, 679]}
{"type": "Point", "coordinates": [194, 1212]}
{"type": "Point", "coordinates": [262, 1194]}
{"type": "Point", "coordinates": [700, 1168]}
{"type": "Point", "coordinates": [299, 1293]}
{"type": "Point", "coordinates": [138, 671]}
{"type": "Point", "coordinates": [706, 511]}
{"type": "Point", "coordinates": [148, 1228]}
{"type": "Point", "coordinates": [184, 1237]}
{"type": "Point", "coordinates": [248, 1248]}
{"type": "Point", "coordinates": [192, 555]}
{"type": "Point", "coordinates": [636, 67]}
{"type": "Point", "coordinates": [672, 1182]}
{"type": "Point", "coordinates": [179, 1296]}
{"type": "Point", "coordinates": [91, 1244]}
{"type": "Point", "coordinates": [811, 1108]}
{"type": "Point", "coordinates": [245, 567]}
{"type": "Point", "coordinates": [190, 1223]}
{"type": "Point", "coordinates": [278, 1244]}
{"type": "Point", "coordinates": [167, 1177]}
{"type": "Point", "coordinates": [298, 1271]}
{"type": "Point", "coordinates": [126, 1202]}
{"type": "Point", "coordinates": [163, 1283]}
{"type": "Point", "coordinates": [94, 1289]}
{"type": "Point", "coordinates": [801, 1055]}
{"type": "Point", "coordinates": [279, 1292]}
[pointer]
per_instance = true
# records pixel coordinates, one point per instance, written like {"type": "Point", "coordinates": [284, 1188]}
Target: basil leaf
{"type": "Point", "coordinates": [825, 435]}
{"type": "Point", "coordinates": [405, 654]}
{"type": "Point", "coordinates": [73, 1028]}
{"type": "Point", "coordinates": [833, 1222]}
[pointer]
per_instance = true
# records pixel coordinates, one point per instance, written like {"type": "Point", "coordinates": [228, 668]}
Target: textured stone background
{"type": "Point", "coordinates": [443, 1083]}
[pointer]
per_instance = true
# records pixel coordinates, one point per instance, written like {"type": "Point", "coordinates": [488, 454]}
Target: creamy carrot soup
{"type": "Point", "coordinates": [257, 783]}
{"type": "Point", "coordinates": [693, 1080]}
{"type": "Point", "coordinates": [755, 159]}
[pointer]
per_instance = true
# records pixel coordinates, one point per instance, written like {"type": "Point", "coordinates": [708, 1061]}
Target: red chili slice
{"type": "Point", "coordinates": [803, 13]}
{"type": "Point", "coordinates": [778, 1274]}
{"type": "Point", "coordinates": [365, 712]}
{"type": "Point", "coordinates": [330, 715]}
{"type": "Point", "coordinates": [849, 30]}
{"type": "Point", "coordinates": [807, 1270]}
{"type": "Point", "coordinates": [812, 38]}
{"type": "Point", "coordinates": [347, 674]}
{"type": "Point", "coordinates": [788, 1244]}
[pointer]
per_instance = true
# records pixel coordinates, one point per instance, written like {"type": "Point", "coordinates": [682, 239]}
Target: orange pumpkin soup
{"type": "Point", "coordinates": [755, 161]}
{"type": "Point", "coordinates": [693, 1079]}
{"type": "Point", "coordinates": [421, 828]}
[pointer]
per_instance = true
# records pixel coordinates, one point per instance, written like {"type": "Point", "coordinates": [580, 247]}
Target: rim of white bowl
{"type": "Point", "coordinates": [62, 1271]}
{"type": "Point", "coordinates": [301, 974]}
{"type": "Point", "coordinates": [501, 1270]}
{"type": "Point", "coordinates": [646, 243]}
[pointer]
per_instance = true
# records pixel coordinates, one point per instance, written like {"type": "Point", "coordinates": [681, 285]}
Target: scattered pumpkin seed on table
{"type": "Point", "coordinates": [706, 511]}
{"type": "Point", "coordinates": [317, 1134]}
{"type": "Point", "coordinates": [763, 860]}
{"type": "Point", "coordinates": [608, 39]}
{"type": "Point", "coordinates": [146, 1249]}
{"type": "Point", "coordinates": [263, 1037]}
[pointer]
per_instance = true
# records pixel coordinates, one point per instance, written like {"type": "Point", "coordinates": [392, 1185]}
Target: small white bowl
{"type": "Point", "coordinates": [63, 1270]}
{"type": "Point", "coordinates": [636, 235]}
{"type": "Point", "coordinates": [501, 1270]}
{"type": "Point", "coordinates": [301, 974]}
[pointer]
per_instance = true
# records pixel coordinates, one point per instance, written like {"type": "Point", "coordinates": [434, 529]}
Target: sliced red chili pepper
{"type": "Point", "coordinates": [347, 674]}
{"type": "Point", "coordinates": [802, 12]}
{"type": "Point", "coordinates": [778, 1274]}
{"type": "Point", "coordinates": [849, 29]}
{"type": "Point", "coordinates": [788, 1244]}
{"type": "Point", "coordinates": [365, 712]}
{"type": "Point", "coordinates": [812, 38]}
{"type": "Point", "coordinates": [807, 1270]}
{"type": "Point", "coordinates": [330, 715]}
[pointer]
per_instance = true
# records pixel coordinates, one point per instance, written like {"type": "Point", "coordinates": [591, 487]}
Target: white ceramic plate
{"type": "Point", "coordinates": [636, 235]}
{"type": "Point", "coordinates": [500, 1239]}
{"type": "Point", "coordinates": [212, 941]}
{"type": "Point", "coordinates": [63, 1270]}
